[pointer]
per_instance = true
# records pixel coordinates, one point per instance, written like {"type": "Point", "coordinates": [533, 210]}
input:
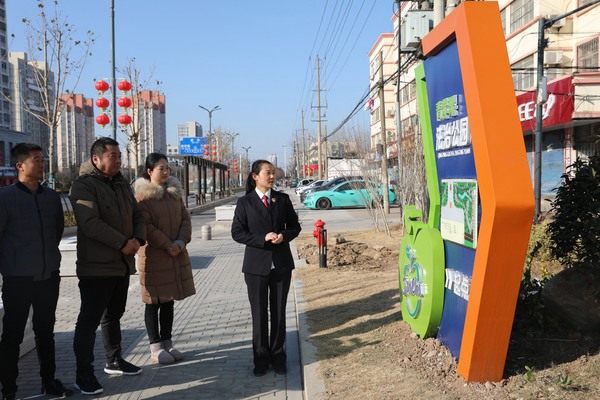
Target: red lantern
{"type": "Point", "coordinates": [102, 120]}
{"type": "Point", "coordinates": [125, 102]}
{"type": "Point", "coordinates": [214, 153]}
{"type": "Point", "coordinates": [214, 159]}
{"type": "Point", "coordinates": [205, 147]}
{"type": "Point", "coordinates": [102, 86]}
{"type": "Point", "coordinates": [124, 86]}
{"type": "Point", "coordinates": [214, 146]}
{"type": "Point", "coordinates": [102, 103]}
{"type": "Point", "coordinates": [124, 119]}
{"type": "Point", "coordinates": [206, 154]}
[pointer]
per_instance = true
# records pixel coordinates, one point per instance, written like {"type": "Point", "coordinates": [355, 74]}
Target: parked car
{"type": "Point", "coordinates": [304, 182]}
{"type": "Point", "coordinates": [353, 193]}
{"type": "Point", "coordinates": [331, 183]}
{"type": "Point", "coordinates": [300, 191]}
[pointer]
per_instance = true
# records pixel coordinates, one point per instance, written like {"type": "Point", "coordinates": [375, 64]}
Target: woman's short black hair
{"type": "Point", "coordinates": [151, 160]}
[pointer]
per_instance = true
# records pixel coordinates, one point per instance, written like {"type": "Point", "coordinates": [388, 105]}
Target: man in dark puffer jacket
{"type": "Point", "coordinates": [110, 230]}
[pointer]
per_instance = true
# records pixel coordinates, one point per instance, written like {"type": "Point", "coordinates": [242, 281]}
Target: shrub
{"type": "Point", "coordinates": [575, 230]}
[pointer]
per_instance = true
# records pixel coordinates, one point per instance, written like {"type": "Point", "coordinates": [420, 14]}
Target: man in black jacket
{"type": "Point", "coordinates": [110, 230]}
{"type": "Point", "coordinates": [31, 227]}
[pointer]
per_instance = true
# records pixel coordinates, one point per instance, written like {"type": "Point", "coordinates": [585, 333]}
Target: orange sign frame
{"type": "Point", "coordinates": [506, 193]}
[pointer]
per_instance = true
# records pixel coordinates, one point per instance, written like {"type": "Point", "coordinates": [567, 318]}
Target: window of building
{"type": "Point", "coordinates": [553, 73]}
{"type": "Point", "coordinates": [521, 12]}
{"type": "Point", "coordinates": [587, 54]}
{"type": "Point", "coordinates": [523, 74]}
{"type": "Point", "coordinates": [503, 19]}
{"type": "Point", "coordinates": [408, 92]}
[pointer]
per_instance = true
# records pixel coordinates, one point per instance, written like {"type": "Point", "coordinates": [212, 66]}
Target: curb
{"type": "Point", "coordinates": [313, 386]}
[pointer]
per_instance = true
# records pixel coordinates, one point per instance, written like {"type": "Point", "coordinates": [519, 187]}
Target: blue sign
{"type": "Point", "coordinates": [458, 188]}
{"type": "Point", "coordinates": [192, 146]}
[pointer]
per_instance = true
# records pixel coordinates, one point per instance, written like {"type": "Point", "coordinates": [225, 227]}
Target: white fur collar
{"type": "Point", "coordinates": [146, 190]}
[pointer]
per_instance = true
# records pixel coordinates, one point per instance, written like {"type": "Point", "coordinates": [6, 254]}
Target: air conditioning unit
{"type": "Point", "coordinates": [390, 113]}
{"type": "Point", "coordinates": [418, 24]}
{"type": "Point", "coordinates": [559, 23]}
{"type": "Point", "coordinates": [553, 57]}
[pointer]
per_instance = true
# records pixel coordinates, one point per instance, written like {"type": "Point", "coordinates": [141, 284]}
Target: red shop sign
{"type": "Point", "coordinates": [557, 110]}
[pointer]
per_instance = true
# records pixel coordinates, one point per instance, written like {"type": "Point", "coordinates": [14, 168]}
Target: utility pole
{"type": "Point", "coordinates": [284, 160]}
{"type": "Point", "coordinates": [325, 156]}
{"type": "Point", "coordinates": [296, 149]}
{"type": "Point", "coordinates": [543, 24]}
{"type": "Point", "coordinates": [398, 114]}
{"type": "Point", "coordinates": [304, 159]}
{"type": "Point", "coordinates": [384, 163]}
{"type": "Point", "coordinates": [320, 162]}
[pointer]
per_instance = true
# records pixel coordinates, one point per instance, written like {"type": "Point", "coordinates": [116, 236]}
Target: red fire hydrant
{"type": "Point", "coordinates": [321, 234]}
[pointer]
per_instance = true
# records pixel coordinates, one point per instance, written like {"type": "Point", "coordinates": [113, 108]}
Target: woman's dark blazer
{"type": "Point", "coordinates": [252, 221]}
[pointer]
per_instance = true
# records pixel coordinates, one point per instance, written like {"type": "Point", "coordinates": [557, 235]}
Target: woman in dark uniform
{"type": "Point", "coordinates": [265, 221]}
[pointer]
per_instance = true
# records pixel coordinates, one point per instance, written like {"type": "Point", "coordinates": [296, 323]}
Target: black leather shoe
{"type": "Point", "coordinates": [56, 388]}
{"type": "Point", "coordinates": [282, 370]}
{"type": "Point", "coordinates": [259, 371]}
{"type": "Point", "coordinates": [9, 396]}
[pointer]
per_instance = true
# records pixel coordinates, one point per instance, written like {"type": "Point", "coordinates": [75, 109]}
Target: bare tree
{"type": "Point", "coordinates": [371, 189]}
{"type": "Point", "coordinates": [138, 123]}
{"type": "Point", "coordinates": [59, 59]}
{"type": "Point", "coordinates": [412, 181]}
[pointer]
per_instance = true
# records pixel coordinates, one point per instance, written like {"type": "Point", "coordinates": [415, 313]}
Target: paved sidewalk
{"type": "Point", "coordinates": [212, 329]}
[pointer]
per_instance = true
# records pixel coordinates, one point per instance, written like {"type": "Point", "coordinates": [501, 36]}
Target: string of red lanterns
{"type": "Point", "coordinates": [103, 103]}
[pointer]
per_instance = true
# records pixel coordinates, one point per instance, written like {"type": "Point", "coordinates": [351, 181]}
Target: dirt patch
{"type": "Point", "coordinates": [365, 350]}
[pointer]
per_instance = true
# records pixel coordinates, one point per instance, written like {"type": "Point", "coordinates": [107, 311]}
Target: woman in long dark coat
{"type": "Point", "coordinates": [265, 221]}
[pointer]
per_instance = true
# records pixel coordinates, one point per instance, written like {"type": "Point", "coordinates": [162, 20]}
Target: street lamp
{"type": "Point", "coordinates": [232, 136]}
{"type": "Point", "coordinates": [284, 160]}
{"type": "Point", "coordinates": [247, 162]}
{"type": "Point", "coordinates": [215, 108]}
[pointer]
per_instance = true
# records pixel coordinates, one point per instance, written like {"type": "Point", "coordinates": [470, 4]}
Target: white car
{"type": "Point", "coordinates": [300, 190]}
{"type": "Point", "coordinates": [302, 184]}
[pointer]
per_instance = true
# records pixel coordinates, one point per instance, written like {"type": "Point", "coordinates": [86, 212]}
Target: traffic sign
{"type": "Point", "coordinates": [192, 145]}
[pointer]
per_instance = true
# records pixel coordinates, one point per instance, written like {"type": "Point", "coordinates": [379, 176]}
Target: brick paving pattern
{"type": "Point", "coordinates": [212, 329]}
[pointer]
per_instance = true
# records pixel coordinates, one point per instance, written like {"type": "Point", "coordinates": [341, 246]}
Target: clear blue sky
{"type": "Point", "coordinates": [256, 60]}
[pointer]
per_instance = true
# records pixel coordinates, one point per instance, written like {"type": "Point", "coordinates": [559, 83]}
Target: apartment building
{"type": "Point", "coordinates": [5, 107]}
{"type": "Point", "coordinates": [75, 131]}
{"type": "Point", "coordinates": [571, 113]}
{"type": "Point", "coordinates": [383, 63]}
{"type": "Point", "coordinates": [149, 116]}
{"type": "Point", "coordinates": [189, 129]}
{"type": "Point", "coordinates": [26, 93]}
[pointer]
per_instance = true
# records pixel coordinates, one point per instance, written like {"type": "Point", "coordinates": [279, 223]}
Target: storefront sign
{"type": "Point", "coordinates": [558, 108]}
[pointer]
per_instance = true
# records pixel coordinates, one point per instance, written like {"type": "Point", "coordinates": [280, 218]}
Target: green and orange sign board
{"type": "Point", "coordinates": [472, 253]}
